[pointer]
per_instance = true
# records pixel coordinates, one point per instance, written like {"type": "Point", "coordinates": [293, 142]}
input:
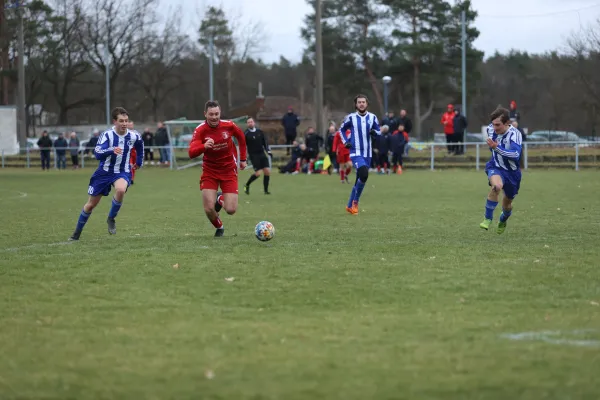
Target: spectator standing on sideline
{"type": "Point", "coordinates": [460, 126]}
{"type": "Point", "coordinates": [92, 143]}
{"type": "Point", "coordinates": [148, 138]}
{"type": "Point", "coordinates": [405, 121]}
{"type": "Point", "coordinates": [391, 121]}
{"type": "Point", "coordinates": [329, 147]}
{"type": "Point", "coordinates": [74, 149]}
{"type": "Point", "coordinates": [161, 138]}
{"type": "Point", "coordinates": [513, 113]}
{"type": "Point", "coordinates": [60, 146]}
{"type": "Point", "coordinates": [448, 124]}
{"type": "Point", "coordinates": [397, 143]}
{"type": "Point", "coordinates": [45, 144]}
{"type": "Point", "coordinates": [313, 142]}
{"type": "Point", "coordinates": [290, 122]}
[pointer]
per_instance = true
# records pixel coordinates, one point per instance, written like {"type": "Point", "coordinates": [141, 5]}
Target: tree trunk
{"type": "Point", "coordinates": [417, 97]}
{"type": "Point", "coordinates": [229, 85]}
{"type": "Point", "coordinates": [62, 115]}
{"type": "Point", "coordinates": [374, 84]}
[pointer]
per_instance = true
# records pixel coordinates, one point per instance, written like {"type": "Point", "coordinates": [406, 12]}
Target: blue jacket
{"type": "Point", "coordinates": [289, 122]}
{"type": "Point", "coordinates": [397, 142]}
{"type": "Point", "coordinates": [382, 143]}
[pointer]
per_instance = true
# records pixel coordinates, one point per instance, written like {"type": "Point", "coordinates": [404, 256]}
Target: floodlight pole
{"type": "Point", "coordinates": [22, 112]}
{"type": "Point", "coordinates": [319, 67]}
{"type": "Point", "coordinates": [211, 46]}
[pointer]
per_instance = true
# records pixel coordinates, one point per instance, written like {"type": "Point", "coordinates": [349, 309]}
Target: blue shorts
{"type": "Point", "coordinates": [511, 181]}
{"type": "Point", "coordinates": [101, 182]}
{"type": "Point", "coordinates": [360, 161]}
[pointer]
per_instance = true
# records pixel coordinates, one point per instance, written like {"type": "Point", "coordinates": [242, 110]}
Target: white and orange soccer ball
{"type": "Point", "coordinates": [264, 231]}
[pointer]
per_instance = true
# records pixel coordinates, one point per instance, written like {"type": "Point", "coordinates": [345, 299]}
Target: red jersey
{"type": "Point", "coordinates": [221, 158]}
{"type": "Point", "coordinates": [133, 157]}
{"type": "Point", "coordinates": [338, 146]}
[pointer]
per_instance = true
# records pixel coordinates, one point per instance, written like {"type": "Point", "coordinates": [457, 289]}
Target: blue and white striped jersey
{"type": "Point", "coordinates": [508, 153]}
{"type": "Point", "coordinates": [360, 127]}
{"type": "Point", "coordinates": [118, 163]}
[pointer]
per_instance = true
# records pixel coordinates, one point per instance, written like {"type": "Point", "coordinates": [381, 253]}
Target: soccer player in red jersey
{"type": "Point", "coordinates": [343, 156]}
{"type": "Point", "coordinates": [213, 138]}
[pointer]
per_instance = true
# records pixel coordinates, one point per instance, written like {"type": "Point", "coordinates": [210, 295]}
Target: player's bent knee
{"type": "Point", "coordinates": [363, 174]}
{"type": "Point", "coordinates": [230, 210]}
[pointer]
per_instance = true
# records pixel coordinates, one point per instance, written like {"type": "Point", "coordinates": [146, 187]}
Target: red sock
{"type": "Point", "coordinates": [342, 174]}
{"type": "Point", "coordinates": [311, 167]}
{"type": "Point", "coordinates": [348, 170]}
{"type": "Point", "coordinates": [297, 166]}
{"type": "Point", "coordinates": [220, 200]}
{"type": "Point", "coordinates": [217, 223]}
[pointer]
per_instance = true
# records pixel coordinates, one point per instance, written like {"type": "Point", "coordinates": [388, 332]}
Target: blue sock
{"type": "Point", "coordinates": [359, 189]}
{"type": "Point", "coordinates": [114, 208]}
{"type": "Point", "coordinates": [505, 214]}
{"type": "Point", "coordinates": [352, 194]}
{"type": "Point", "coordinates": [83, 218]}
{"type": "Point", "coordinates": [490, 206]}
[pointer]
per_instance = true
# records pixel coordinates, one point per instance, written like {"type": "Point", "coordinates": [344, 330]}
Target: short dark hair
{"type": "Point", "coordinates": [211, 104]}
{"type": "Point", "coordinates": [501, 113]}
{"type": "Point", "coordinates": [360, 96]}
{"type": "Point", "coordinates": [118, 111]}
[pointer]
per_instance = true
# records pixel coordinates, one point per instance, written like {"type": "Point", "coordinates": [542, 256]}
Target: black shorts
{"type": "Point", "coordinates": [312, 155]}
{"type": "Point", "coordinates": [259, 161]}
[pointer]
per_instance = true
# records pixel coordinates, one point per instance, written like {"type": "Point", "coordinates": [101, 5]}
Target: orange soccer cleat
{"type": "Point", "coordinates": [354, 209]}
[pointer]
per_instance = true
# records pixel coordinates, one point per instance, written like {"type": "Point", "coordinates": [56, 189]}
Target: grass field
{"type": "Point", "coordinates": [408, 300]}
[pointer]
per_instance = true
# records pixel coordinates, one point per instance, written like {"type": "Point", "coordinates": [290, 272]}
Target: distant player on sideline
{"type": "Point", "coordinates": [257, 146]}
{"type": "Point", "coordinates": [342, 154]}
{"type": "Point", "coordinates": [114, 152]}
{"type": "Point", "coordinates": [503, 170]}
{"type": "Point", "coordinates": [362, 125]}
{"type": "Point", "coordinates": [213, 138]}
{"type": "Point", "coordinates": [133, 159]}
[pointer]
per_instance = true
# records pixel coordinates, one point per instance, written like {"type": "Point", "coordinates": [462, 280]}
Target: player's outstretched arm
{"type": "Point", "coordinates": [196, 145]}
{"type": "Point", "coordinates": [103, 150]}
{"type": "Point", "coordinates": [347, 124]}
{"type": "Point", "coordinates": [239, 135]}
{"type": "Point", "coordinates": [513, 154]}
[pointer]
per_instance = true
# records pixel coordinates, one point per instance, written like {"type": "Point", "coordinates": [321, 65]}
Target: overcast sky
{"type": "Point", "coordinates": [536, 25]}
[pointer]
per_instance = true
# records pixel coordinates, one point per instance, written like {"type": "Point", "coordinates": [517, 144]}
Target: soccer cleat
{"type": "Point", "coordinates": [485, 224]}
{"type": "Point", "coordinates": [217, 205]}
{"type": "Point", "coordinates": [349, 209]}
{"type": "Point", "coordinates": [220, 232]}
{"type": "Point", "coordinates": [246, 189]}
{"type": "Point", "coordinates": [501, 227]}
{"type": "Point", "coordinates": [355, 207]}
{"type": "Point", "coordinates": [75, 236]}
{"type": "Point", "coordinates": [267, 192]}
{"type": "Point", "coordinates": [112, 226]}
{"type": "Point", "coordinates": [347, 180]}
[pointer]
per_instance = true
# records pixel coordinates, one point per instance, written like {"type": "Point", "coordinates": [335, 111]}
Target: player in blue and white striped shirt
{"type": "Point", "coordinates": [362, 125]}
{"type": "Point", "coordinates": [503, 171]}
{"type": "Point", "coordinates": [114, 152]}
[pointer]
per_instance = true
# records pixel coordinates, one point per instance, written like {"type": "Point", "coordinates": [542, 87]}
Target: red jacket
{"type": "Point", "coordinates": [448, 120]}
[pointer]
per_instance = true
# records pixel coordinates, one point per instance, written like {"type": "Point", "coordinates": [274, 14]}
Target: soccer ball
{"type": "Point", "coordinates": [264, 231]}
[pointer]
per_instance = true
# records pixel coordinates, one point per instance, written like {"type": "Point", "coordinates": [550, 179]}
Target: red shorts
{"type": "Point", "coordinates": [228, 184]}
{"type": "Point", "coordinates": [343, 158]}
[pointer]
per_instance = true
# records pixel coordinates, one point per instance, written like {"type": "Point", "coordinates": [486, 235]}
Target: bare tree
{"type": "Point", "coordinates": [117, 27]}
{"type": "Point", "coordinates": [585, 48]}
{"type": "Point", "coordinates": [156, 66]}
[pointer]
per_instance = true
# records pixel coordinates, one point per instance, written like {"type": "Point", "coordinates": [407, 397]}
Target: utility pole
{"type": "Point", "coordinates": [211, 46]}
{"type": "Point", "coordinates": [464, 68]}
{"type": "Point", "coordinates": [21, 108]}
{"type": "Point", "coordinates": [319, 66]}
{"type": "Point", "coordinates": [107, 83]}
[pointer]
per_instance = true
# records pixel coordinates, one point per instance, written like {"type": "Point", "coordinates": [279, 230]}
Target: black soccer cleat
{"type": "Point", "coordinates": [217, 205]}
{"type": "Point", "coordinates": [267, 192]}
{"type": "Point", "coordinates": [220, 232]}
{"type": "Point", "coordinates": [112, 226]}
{"type": "Point", "coordinates": [247, 189]}
{"type": "Point", "coordinates": [75, 236]}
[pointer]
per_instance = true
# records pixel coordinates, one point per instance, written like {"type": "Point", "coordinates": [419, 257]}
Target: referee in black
{"type": "Point", "coordinates": [257, 146]}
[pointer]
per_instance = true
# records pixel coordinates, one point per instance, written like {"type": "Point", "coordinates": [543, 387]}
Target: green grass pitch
{"type": "Point", "coordinates": [408, 300]}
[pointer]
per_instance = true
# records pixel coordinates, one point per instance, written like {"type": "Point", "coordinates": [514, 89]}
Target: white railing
{"type": "Point", "coordinates": [415, 148]}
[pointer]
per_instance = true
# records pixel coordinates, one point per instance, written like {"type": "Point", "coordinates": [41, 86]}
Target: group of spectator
{"type": "Point", "coordinates": [61, 146]}
{"type": "Point", "coordinates": [69, 142]}
{"type": "Point", "coordinates": [388, 149]}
